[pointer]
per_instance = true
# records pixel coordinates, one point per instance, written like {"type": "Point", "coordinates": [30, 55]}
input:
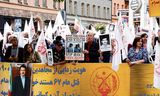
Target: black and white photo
{"type": "Point", "coordinates": [105, 42]}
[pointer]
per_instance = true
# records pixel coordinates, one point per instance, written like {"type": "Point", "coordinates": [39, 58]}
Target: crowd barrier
{"type": "Point", "coordinates": [84, 79]}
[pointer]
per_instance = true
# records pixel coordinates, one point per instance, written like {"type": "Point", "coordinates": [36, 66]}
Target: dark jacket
{"type": "Point", "coordinates": [93, 52]}
{"type": "Point", "coordinates": [8, 54]}
{"type": "Point", "coordinates": [17, 88]}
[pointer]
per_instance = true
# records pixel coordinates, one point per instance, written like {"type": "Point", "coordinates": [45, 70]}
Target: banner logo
{"type": "Point", "coordinates": [104, 82]}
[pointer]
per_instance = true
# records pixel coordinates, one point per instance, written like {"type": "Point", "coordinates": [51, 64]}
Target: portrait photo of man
{"type": "Point", "coordinates": [105, 44]}
{"type": "Point", "coordinates": [21, 83]}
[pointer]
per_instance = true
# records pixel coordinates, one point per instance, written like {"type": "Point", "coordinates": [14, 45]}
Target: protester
{"type": "Point", "coordinates": [1, 52]}
{"type": "Point", "coordinates": [58, 53]}
{"type": "Point", "coordinates": [14, 53]}
{"type": "Point", "coordinates": [58, 38]}
{"type": "Point", "coordinates": [31, 56]}
{"type": "Point", "coordinates": [144, 37]}
{"type": "Point", "coordinates": [137, 54]}
{"type": "Point", "coordinates": [154, 40]}
{"type": "Point", "coordinates": [91, 51]}
{"type": "Point", "coordinates": [21, 83]}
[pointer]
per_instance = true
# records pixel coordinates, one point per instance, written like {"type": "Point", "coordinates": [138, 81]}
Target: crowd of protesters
{"type": "Point", "coordinates": [137, 52]}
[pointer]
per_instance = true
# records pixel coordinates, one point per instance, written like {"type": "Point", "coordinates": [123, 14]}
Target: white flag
{"type": "Point", "coordinates": [26, 27]}
{"type": "Point", "coordinates": [39, 28]}
{"type": "Point", "coordinates": [97, 34]}
{"type": "Point", "coordinates": [49, 32]}
{"type": "Point", "coordinates": [78, 26]}
{"type": "Point", "coordinates": [31, 29]}
{"type": "Point", "coordinates": [41, 48]}
{"type": "Point", "coordinates": [155, 25]}
{"type": "Point", "coordinates": [116, 59]}
{"type": "Point", "coordinates": [22, 41]}
{"type": "Point", "coordinates": [128, 38]}
{"type": "Point", "coordinates": [59, 20]}
{"type": "Point", "coordinates": [7, 31]}
{"type": "Point", "coordinates": [63, 30]}
{"type": "Point", "coordinates": [93, 30]}
{"type": "Point", "coordinates": [1, 37]}
{"type": "Point", "coordinates": [156, 82]}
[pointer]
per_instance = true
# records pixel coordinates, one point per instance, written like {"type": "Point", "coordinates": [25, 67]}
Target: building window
{"type": "Point", "coordinates": [98, 12]}
{"type": "Point", "coordinates": [44, 3]}
{"type": "Point", "coordinates": [94, 10]}
{"type": "Point", "coordinates": [36, 3]}
{"type": "Point", "coordinates": [70, 7]}
{"type": "Point", "coordinates": [82, 9]}
{"type": "Point", "coordinates": [75, 7]}
{"type": "Point", "coordinates": [114, 11]}
{"type": "Point", "coordinates": [20, 1]}
{"type": "Point", "coordinates": [54, 4]}
{"type": "Point", "coordinates": [25, 1]}
{"type": "Point", "coordinates": [104, 12]}
{"type": "Point", "coordinates": [122, 6]}
{"type": "Point", "coordinates": [108, 14]}
{"type": "Point", "coordinates": [88, 10]}
{"type": "Point", "coordinates": [59, 5]}
{"type": "Point", "coordinates": [117, 6]}
{"type": "Point", "coordinates": [6, 0]}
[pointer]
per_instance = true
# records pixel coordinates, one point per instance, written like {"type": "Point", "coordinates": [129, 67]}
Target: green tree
{"type": "Point", "coordinates": [59, 0]}
{"type": "Point", "coordinates": [100, 27]}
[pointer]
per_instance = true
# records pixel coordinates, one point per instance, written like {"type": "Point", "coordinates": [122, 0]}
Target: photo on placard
{"type": "Point", "coordinates": [69, 47]}
{"type": "Point", "coordinates": [78, 47]}
{"type": "Point", "coordinates": [74, 47]}
{"type": "Point", "coordinates": [111, 27]}
{"type": "Point", "coordinates": [105, 42]}
{"type": "Point", "coordinates": [21, 79]}
{"type": "Point", "coordinates": [50, 57]}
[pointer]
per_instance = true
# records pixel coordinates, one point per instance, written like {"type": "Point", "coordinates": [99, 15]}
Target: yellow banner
{"type": "Point", "coordinates": [142, 81]}
{"type": "Point", "coordinates": [154, 7]}
{"type": "Point", "coordinates": [81, 80]}
{"type": "Point", "coordinates": [4, 78]}
{"type": "Point", "coordinates": [86, 80]}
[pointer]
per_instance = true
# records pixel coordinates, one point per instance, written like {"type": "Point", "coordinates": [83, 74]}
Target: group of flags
{"type": "Point", "coordinates": [125, 34]}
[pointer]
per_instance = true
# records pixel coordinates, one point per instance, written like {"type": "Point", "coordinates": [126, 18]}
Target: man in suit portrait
{"type": "Point", "coordinates": [21, 83]}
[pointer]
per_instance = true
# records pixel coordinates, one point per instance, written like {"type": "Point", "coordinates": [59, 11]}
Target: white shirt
{"type": "Point", "coordinates": [23, 81]}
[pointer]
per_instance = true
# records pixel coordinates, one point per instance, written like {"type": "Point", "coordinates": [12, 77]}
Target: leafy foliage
{"type": "Point", "coordinates": [59, 0]}
{"type": "Point", "coordinates": [100, 27]}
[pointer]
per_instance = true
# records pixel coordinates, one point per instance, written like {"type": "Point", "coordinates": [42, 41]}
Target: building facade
{"type": "Point", "coordinates": [118, 5]}
{"type": "Point", "coordinates": [42, 11]}
{"type": "Point", "coordinates": [89, 11]}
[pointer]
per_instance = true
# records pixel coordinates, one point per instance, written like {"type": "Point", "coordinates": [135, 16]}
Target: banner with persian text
{"type": "Point", "coordinates": [142, 80]}
{"type": "Point", "coordinates": [86, 80]}
{"type": "Point", "coordinates": [4, 78]}
{"type": "Point", "coordinates": [154, 8]}
{"type": "Point", "coordinates": [80, 80]}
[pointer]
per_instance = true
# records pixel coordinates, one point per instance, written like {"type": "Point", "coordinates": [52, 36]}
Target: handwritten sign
{"type": "Point", "coordinates": [4, 78]}
{"type": "Point", "coordinates": [154, 7]}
